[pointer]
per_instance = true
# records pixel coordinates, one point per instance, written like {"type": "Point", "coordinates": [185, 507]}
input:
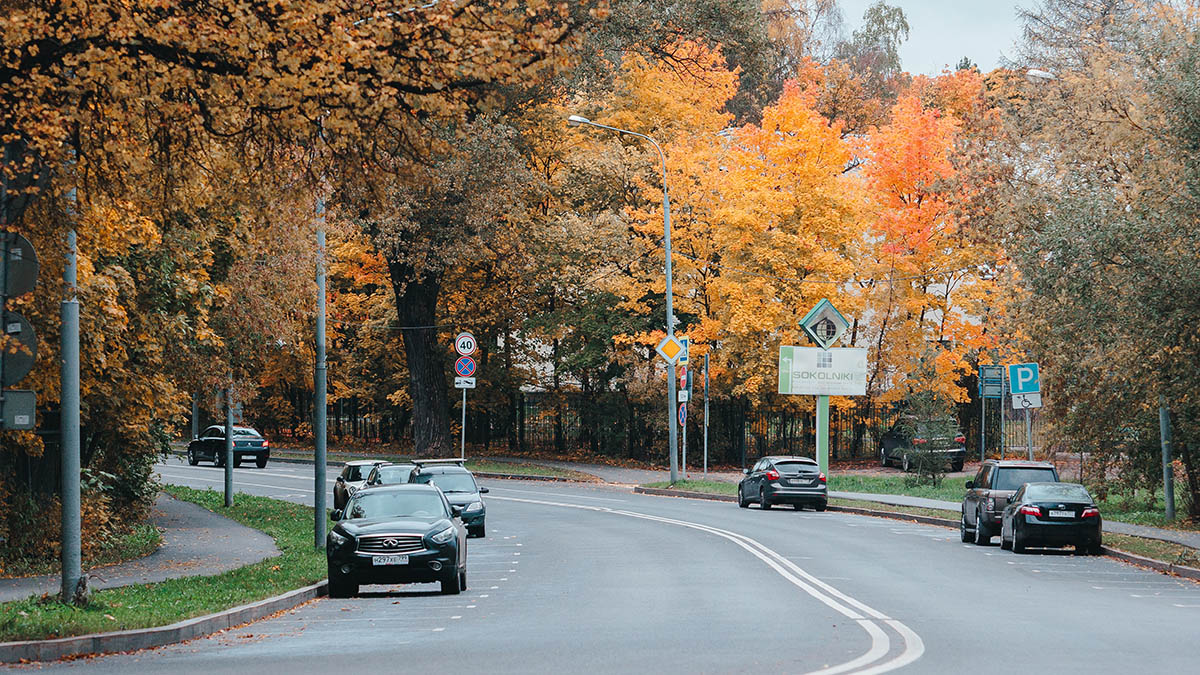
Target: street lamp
{"type": "Point", "coordinates": [672, 435]}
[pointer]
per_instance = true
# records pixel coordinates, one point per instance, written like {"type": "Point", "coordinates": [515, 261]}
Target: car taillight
{"type": "Point", "coordinates": [266, 444]}
{"type": "Point", "coordinates": [918, 441]}
{"type": "Point", "coordinates": [772, 474]}
{"type": "Point", "coordinates": [1030, 510]}
{"type": "Point", "coordinates": [821, 478]}
{"type": "Point", "coordinates": [1091, 512]}
{"type": "Point", "coordinates": [960, 439]}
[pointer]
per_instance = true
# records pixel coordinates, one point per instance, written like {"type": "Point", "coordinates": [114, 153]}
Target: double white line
{"type": "Point", "coordinates": [871, 620]}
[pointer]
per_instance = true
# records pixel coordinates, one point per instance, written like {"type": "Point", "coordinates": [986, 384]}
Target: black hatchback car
{"type": "Point", "coordinates": [247, 444]}
{"type": "Point", "coordinates": [784, 480]}
{"type": "Point", "coordinates": [1052, 514]}
{"type": "Point", "coordinates": [397, 534]}
{"type": "Point", "coordinates": [460, 487]}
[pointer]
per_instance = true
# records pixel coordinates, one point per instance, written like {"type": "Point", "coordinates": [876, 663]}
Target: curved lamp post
{"type": "Point", "coordinates": [576, 120]}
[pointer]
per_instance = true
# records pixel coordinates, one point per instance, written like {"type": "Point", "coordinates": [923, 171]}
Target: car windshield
{"type": "Point", "coordinates": [794, 467]}
{"type": "Point", "coordinates": [1012, 478]}
{"type": "Point", "coordinates": [1056, 491]}
{"type": "Point", "coordinates": [370, 504]}
{"type": "Point", "coordinates": [356, 472]}
{"type": "Point", "coordinates": [448, 482]}
{"type": "Point", "coordinates": [394, 474]}
{"type": "Point", "coordinates": [246, 432]}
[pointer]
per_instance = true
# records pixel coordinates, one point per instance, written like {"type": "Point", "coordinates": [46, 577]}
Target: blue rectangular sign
{"type": "Point", "coordinates": [1023, 378]}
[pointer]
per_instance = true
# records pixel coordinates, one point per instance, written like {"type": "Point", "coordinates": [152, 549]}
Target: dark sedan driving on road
{"type": "Point", "coordinates": [1052, 514]}
{"type": "Point", "coordinates": [397, 534]}
{"type": "Point", "coordinates": [784, 480]}
{"type": "Point", "coordinates": [460, 487]}
{"type": "Point", "coordinates": [247, 444]}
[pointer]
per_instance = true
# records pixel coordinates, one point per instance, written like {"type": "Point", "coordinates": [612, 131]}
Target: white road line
{"type": "Point", "coordinates": [560, 496]}
{"type": "Point", "coordinates": [236, 483]}
{"type": "Point", "coordinates": [913, 649]}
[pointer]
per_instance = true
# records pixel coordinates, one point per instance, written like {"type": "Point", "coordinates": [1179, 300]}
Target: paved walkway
{"type": "Point", "coordinates": [625, 476]}
{"type": "Point", "coordinates": [196, 542]}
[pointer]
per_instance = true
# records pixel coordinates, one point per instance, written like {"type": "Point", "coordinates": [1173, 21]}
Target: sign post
{"type": "Point", "coordinates": [822, 370]}
{"type": "Point", "coordinates": [1026, 394]}
{"type": "Point", "coordinates": [706, 414]}
{"type": "Point", "coordinates": [991, 385]}
{"type": "Point", "coordinates": [464, 378]}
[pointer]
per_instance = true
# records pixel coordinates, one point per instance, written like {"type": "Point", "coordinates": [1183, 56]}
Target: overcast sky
{"type": "Point", "coordinates": [943, 31]}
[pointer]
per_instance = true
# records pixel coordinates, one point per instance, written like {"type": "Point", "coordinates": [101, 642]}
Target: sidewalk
{"type": "Point", "coordinates": [622, 476]}
{"type": "Point", "coordinates": [196, 542]}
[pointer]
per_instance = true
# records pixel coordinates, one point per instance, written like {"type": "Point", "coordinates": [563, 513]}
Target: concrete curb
{"type": "Point", "coordinates": [1157, 565]}
{"type": "Point", "coordinates": [145, 638]}
{"type": "Point", "coordinates": [480, 474]}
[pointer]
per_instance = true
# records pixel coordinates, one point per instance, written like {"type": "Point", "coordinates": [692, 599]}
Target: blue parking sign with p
{"type": "Point", "coordinates": [1023, 378]}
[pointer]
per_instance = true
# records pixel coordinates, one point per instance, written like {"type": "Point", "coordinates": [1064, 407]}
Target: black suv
{"type": "Point", "coordinates": [898, 449]}
{"type": "Point", "coordinates": [992, 489]}
{"type": "Point", "coordinates": [460, 488]}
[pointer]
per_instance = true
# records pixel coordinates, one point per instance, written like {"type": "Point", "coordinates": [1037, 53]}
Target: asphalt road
{"type": "Point", "coordinates": [575, 577]}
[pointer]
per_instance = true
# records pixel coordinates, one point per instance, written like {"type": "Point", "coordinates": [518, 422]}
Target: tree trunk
{"type": "Point", "coordinates": [416, 305]}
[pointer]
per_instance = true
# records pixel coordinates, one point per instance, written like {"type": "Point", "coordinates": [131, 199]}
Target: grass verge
{"type": "Point", "coordinates": [139, 542]}
{"type": "Point", "coordinates": [167, 602]}
{"type": "Point", "coordinates": [476, 465]}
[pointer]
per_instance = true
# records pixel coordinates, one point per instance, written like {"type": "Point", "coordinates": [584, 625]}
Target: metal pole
{"type": "Point", "coordinates": [683, 425]}
{"type": "Point", "coordinates": [1029, 434]}
{"type": "Point", "coordinates": [1164, 430]}
{"type": "Point", "coordinates": [462, 432]}
{"type": "Point", "coordinates": [1004, 403]}
{"type": "Point", "coordinates": [320, 388]}
{"type": "Point", "coordinates": [228, 447]}
{"type": "Point", "coordinates": [823, 434]}
{"type": "Point", "coordinates": [982, 424]}
{"type": "Point", "coordinates": [706, 414]}
{"type": "Point", "coordinates": [69, 421]}
{"type": "Point", "coordinates": [195, 415]}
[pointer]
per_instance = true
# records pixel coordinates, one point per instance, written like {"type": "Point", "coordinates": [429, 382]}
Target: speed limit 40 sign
{"type": "Point", "coordinates": [465, 344]}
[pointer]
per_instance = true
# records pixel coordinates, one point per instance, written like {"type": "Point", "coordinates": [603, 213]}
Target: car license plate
{"type": "Point", "coordinates": [389, 560]}
{"type": "Point", "coordinates": [1062, 514]}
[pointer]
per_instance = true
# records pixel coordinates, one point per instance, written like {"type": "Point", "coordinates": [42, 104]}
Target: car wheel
{"type": "Point", "coordinates": [339, 585]}
{"type": "Point", "coordinates": [237, 461]}
{"type": "Point", "coordinates": [477, 531]}
{"type": "Point", "coordinates": [983, 534]}
{"type": "Point", "coordinates": [742, 501]}
{"type": "Point", "coordinates": [261, 461]}
{"type": "Point", "coordinates": [1018, 546]}
{"type": "Point", "coordinates": [218, 459]}
{"type": "Point", "coordinates": [904, 463]}
{"type": "Point", "coordinates": [763, 502]}
{"type": "Point", "coordinates": [798, 506]}
{"type": "Point", "coordinates": [192, 458]}
{"type": "Point", "coordinates": [453, 585]}
{"type": "Point", "coordinates": [963, 533]}
{"type": "Point", "coordinates": [821, 506]}
{"type": "Point", "coordinates": [957, 466]}
{"type": "Point", "coordinates": [1005, 544]}
{"type": "Point", "coordinates": [1096, 548]}
{"type": "Point", "coordinates": [883, 458]}
{"type": "Point", "coordinates": [462, 581]}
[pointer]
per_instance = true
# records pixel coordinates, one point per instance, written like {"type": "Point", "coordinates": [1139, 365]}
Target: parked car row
{"type": "Point", "coordinates": [403, 523]}
{"type": "Point", "coordinates": [1026, 504]}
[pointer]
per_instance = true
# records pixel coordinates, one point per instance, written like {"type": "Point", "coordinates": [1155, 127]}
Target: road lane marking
{"type": "Point", "coordinates": [559, 495]}
{"type": "Point", "coordinates": [236, 483]}
{"type": "Point", "coordinates": [845, 605]}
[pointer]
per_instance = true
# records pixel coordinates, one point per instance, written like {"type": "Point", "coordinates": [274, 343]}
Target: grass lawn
{"type": "Point", "coordinates": [139, 542]}
{"type": "Point", "coordinates": [951, 489]}
{"type": "Point", "coordinates": [167, 602]}
{"type": "Point", "coordinates": [476, 465]}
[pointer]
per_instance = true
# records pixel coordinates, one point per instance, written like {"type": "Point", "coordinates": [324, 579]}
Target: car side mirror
{"type": "Point", "coordinates": [483, 491]}
{"type": "Point", "coordinates": [970, 485]}
{"type": "Point", "coordinates": [340, 480]}
{"type": "Point", "coordinates": [746, 471]}
{"type": "Point", "coordinates": [336, 515]}
{"type": "Point", "coordinates": [456, 511]}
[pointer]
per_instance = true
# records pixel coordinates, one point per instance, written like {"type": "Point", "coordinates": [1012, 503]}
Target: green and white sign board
{"type": "Point", "coordinates": [814, 371]}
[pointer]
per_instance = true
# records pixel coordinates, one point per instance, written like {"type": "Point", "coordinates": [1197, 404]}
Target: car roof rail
{"type": "Point", "coordinates": [423, 462]}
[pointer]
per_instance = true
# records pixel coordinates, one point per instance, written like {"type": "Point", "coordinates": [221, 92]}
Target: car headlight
{"type": "Point", "coordinates": [474, 506]}
{"type": "Point", "coordinates": [443, 536]}
{"type": "Point", "coordinates": [337, 538]}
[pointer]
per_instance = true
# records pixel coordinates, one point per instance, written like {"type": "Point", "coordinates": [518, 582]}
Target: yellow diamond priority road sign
{"type": "Point", "coordinates": [669, 349]}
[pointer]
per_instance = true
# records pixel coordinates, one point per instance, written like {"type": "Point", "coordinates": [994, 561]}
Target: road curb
{"type": "Point", "coordinates": [1157, 565]}
{"type": "Point", "coordinates": [480, 474]}
{"type": "Point", "coordinates": [927, 520]}
{"type": "Point", "coordinates": [145, 638]}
